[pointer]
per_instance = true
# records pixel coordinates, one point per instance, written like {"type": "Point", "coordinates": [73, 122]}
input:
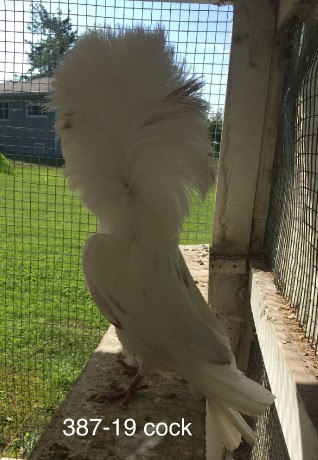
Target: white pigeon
{"type": "Point", "coordinates": [133, 127]}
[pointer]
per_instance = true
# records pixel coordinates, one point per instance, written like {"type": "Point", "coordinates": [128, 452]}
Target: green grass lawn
{"type": "Point", "coordinates": [48, 323]}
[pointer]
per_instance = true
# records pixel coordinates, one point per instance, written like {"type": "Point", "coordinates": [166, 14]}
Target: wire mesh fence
{"type": "Point", "coordinates": [292, 231]}
{"type": "Point", "coordinates": [270, 443]}
{"type": "Point", "coordinates": [48, 323]}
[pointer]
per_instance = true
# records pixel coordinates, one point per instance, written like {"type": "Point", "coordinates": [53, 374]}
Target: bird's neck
{"type": "Point", "coordinates": [135, 233]}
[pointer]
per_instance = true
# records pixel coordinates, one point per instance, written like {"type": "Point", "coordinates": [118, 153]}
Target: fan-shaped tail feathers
{"type": "Point", "coordinates": [133, 128]}
{"type": "Point", "coordinates": [230, 425]}
{"type": "Point", "coordinates": [230, 393]}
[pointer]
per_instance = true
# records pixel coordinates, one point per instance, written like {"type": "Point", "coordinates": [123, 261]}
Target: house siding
{"type": "Point", "coordinates": [19, 134]}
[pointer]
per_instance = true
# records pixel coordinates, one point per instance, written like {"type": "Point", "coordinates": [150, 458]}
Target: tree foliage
{"type": "Point", "coordinates": [55, 38]}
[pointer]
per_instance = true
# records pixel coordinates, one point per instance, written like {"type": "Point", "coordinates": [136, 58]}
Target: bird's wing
{"type": "Point", "coordinates": [144, 289]}
{"type": "Point", "coordinates": [98, 278]}
{"type": "Point", "coordinates": [122, 285]}
{"type": "Point", "coordinates": [197, 299]}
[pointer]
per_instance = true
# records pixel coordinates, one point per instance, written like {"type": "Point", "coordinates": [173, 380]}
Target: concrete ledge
{"type": "Point", "coordinates": [291, 364]}
{"type": "Point", "coordinates": [167, 400]}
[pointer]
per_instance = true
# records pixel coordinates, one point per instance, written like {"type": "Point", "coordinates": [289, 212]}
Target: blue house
{"type": "Point", "coordinates": [26, 127]}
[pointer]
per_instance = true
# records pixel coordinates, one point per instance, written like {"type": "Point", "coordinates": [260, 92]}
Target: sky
{"type": "Point", "coordinates": [200, 33]}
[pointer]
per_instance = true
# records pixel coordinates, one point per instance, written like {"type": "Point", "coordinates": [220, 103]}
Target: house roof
{"type": "Point", "coordinates": [37, 85]}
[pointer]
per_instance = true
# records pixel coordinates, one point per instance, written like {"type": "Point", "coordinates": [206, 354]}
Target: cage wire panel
{"type": "Point", "coordinates": [270, 443]}
{"type": "Point", "coordinates": [292, 230]}
{"type": "Point", "coordinates": [48, 323]}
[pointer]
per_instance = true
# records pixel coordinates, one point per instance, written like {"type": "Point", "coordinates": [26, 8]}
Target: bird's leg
{"type": "Point", "coordinates": [126, 394]}
{"type": "Point", "coordinates": [129, 369]}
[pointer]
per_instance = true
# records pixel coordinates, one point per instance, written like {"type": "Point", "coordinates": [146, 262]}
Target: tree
{"type": "Point", "coordinates": [215, 130]}
{"type": "Point", "coordinates": [20, 78]}
{"type": "Point", "coordinates": [56, 37]}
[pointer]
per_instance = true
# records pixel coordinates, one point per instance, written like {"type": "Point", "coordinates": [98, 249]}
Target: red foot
{"type": "Point", "coordinates": [121, 393]}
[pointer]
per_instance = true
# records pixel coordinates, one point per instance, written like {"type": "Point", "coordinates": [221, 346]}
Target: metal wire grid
{"type": "Point", "coordinates": [292, 230]}
{"type": "Point", "coordinates": [201, 33]}
{"type": "Point", "coordinates": [270, 443]}
{"type": "Point", "coordinates": [48, 324]}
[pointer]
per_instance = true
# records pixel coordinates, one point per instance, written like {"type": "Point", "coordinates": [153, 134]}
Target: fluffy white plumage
{"type": "Point", "coordinates": [139, 446]}
{"type": "Point", "coordinates": [135, 141]}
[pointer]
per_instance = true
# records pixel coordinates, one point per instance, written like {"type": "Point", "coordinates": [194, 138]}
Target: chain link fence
{"type": "Point", "coordinates": [292, 231]}
{"type": "Point", "coordinates": [48, 323]}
